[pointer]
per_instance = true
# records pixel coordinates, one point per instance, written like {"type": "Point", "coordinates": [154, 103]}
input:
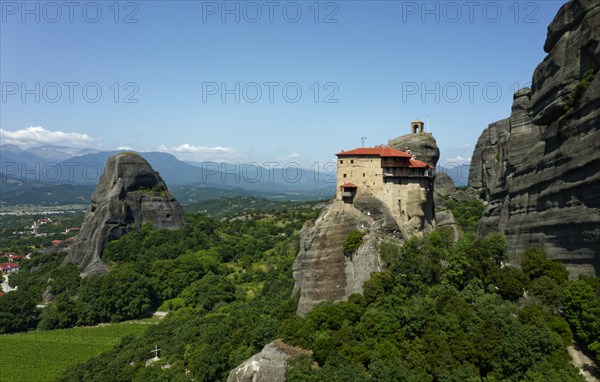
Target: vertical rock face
{"type": "Point", "coordinates": [539, 170]}
{"type": "Point", "coordinates": [321, 270]}
{"type": "Point", "coordinates": [129, 194]}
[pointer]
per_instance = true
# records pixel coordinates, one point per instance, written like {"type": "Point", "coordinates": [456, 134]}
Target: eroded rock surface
{"type": "Point", "coordinates": [423, 146]}
{"type": "Point", "coordinates": [539, 170]}
{"type": "Point", "coordinates": [321, 270]}
{"type": "Point", "coordinates": [269, 365]}
{"type": "Point", "coordinates": [129, 194]}
{"type": "Point", "coordinates": [443, 187]}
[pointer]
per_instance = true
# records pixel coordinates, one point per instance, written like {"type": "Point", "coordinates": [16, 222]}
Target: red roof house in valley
{"type": "Point", "coordinates": [9, 267]}
{"type": "Point", "coordinates": [13, 257]}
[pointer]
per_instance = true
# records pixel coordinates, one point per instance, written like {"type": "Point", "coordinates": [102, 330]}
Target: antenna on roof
{"type": "Point", "coordinates": [363, 139]}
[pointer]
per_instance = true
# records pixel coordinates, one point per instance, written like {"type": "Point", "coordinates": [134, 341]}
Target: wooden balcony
{"type": "Point", "coordinates": [395, 162]}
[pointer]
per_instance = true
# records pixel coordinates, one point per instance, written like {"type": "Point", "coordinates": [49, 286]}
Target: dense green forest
{"type": "Point", "coordinates": [442, 311]}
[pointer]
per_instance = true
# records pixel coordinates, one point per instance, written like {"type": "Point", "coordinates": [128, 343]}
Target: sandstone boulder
{"type": "Point", "coordinates": [269, 365]}
{"type": "Point", "coordinates": [423, 146]}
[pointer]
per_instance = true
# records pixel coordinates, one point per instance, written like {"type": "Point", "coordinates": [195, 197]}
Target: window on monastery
{"type": "Point", "coordinates": [341, 161]}
{"type": "Point", "coordinates": [344, 175]}
{"type": "Point", "coordinates": [351, 160]}
{"type": "Point", "coordinates": [364, 175]}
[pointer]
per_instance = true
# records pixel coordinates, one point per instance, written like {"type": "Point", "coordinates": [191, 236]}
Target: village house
{"type": "Point", "coordinates": [13, 256]}
{"type": "Point", "coordinates": [35, 225]}
{"type": "Point", "coordinates": [9, 267]}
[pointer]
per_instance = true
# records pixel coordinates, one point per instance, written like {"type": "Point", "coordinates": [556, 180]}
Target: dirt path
{"type": "Point", "coordinates": [586, 366]}
{"type": "Point", "coordinates": [5, 287]}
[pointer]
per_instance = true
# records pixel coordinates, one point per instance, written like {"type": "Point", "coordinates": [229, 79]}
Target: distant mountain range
{"type": "Point", "coordinates": [459, 172]}
{"type": "Point", "coordinates": [25, 175]}
{"type": "Point", "coordinates": [52, 175]}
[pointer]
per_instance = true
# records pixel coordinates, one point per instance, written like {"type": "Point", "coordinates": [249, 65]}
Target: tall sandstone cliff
{"type": "Point", "coordinates": [129, 194]}
{"type": "Point", "coordinates": [539, 170]}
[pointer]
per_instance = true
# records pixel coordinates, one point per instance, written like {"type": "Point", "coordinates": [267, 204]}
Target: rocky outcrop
{"type": "Point", "coordinates": [423, 146]}
{"type": "Point", "coordinates": [321, 270]}
{"type": "Point", "coordinates": [445, 219]}
{"type": "Point", "coordinates": [539, 170]}
{"type": "Point", "coordinates": [443, 187]}
{"type": "Point", "coordinates": [129, 194]}
{"type": "Point", "coordinates": [376, 209]}
{"type": "Point", "coordinates": [269, 365]}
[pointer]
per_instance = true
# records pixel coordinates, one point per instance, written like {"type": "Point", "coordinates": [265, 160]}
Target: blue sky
{"type": "Point", "coordinates": [222, 80]}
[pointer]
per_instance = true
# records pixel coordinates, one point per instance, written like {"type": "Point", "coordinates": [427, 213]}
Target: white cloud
{"type": "Point", "coordinates": [36, 135]}
{"type": "Point", "coordinates": [289, 157]}
{"type": "Point", "coordinates": [126, 148]}
{"type": "Point", "coordinates": [200, 153]}
{"type": "Point", "coordinates": [458, 160]}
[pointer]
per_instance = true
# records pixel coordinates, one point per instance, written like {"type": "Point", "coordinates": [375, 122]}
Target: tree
{"type": "Point", "coordinates": [535, 264]}
{"type": "Point", "coordinates": [510, 282]}
{"type": "Point", "coordinates": [119, 295]}
{"type": "Point", "coordinates": [61, 313]}
{"type": "Point", "coordinates": [208, 292]}
{"type": "Point", "coordinates": [548, 290]}
{"type": "Point", "coordinates": [18, 312]}
{"type": "Point", "coordinates": [582, 308]}
{"type": "Point", "coordinates": [65, 279]}
{"type": "Point", "coordinates": [352, 242]}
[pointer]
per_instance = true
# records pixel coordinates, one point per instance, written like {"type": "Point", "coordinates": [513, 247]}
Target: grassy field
{"type": "Point", "coordinates": [44, 355]}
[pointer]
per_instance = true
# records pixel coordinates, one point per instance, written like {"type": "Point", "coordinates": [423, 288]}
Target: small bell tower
{"type": "Point", "coordinates": [417, 126]}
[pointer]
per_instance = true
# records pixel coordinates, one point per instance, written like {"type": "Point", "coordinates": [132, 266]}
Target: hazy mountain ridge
{"type": "Point", "coordinates": [36, 168]}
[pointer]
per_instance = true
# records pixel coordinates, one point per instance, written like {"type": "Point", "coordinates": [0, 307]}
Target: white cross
{"type": "Point", "coordinates": [155, 351]}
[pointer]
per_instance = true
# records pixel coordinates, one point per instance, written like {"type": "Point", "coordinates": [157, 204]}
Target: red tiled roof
{"type": "Point", "coordinates": [417, 164]}
{"type": "Point", "coordinates": [376, 152]}
{"type": "Point", "coordinates": [349, 185]}
{"type": "Point", "coordinates": [9, 265]}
